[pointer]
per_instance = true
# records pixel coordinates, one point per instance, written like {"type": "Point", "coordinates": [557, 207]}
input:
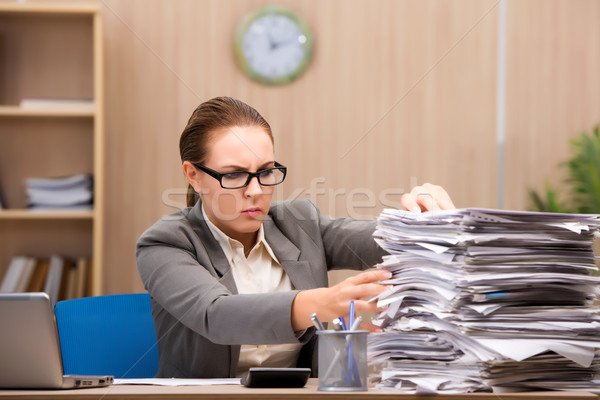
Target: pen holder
{"type": "Point", "coordinates": [342, 360]}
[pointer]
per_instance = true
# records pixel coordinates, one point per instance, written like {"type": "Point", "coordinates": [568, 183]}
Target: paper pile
{"type": "Point", "coordinates": [71, 193]}
{"type": "Point", "coordinates": [483, 299]}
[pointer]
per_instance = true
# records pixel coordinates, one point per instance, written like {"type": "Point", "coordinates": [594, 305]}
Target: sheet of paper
{"type": "Point", "coordinates": [177, 381]}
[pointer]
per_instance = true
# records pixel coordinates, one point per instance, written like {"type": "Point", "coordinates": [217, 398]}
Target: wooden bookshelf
{"type": "Point", "coordinates": [51, 52]}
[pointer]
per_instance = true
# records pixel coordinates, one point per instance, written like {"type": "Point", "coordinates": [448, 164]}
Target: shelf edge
{"type": "Point", "coordinates": [16, 214]}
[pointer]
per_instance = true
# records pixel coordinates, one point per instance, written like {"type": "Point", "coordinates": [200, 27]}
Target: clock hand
{"type": "Point", "coordinates": [273, 45]}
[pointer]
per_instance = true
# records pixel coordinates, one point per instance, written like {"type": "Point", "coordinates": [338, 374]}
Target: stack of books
{"type": "Point", "coordinates": [62, 278]}
{"type": "Point", "coordinates": [484, 300]}
{"type": "Point", "coordinates": [70, 193]}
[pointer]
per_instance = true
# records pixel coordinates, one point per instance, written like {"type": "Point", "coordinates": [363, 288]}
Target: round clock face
{"type": "Point", "coordinates": [273, 45]}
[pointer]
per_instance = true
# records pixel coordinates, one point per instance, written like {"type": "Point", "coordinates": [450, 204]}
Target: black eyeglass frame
{"type": "Point", "coordinates": [219, 176]}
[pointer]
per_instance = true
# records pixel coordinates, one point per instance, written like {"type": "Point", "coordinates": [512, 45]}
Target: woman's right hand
{"type": "Point", "coordinates": [333, 302]}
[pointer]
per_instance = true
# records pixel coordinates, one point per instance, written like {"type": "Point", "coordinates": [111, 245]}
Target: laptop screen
{"type": "Point", "coordinates": [28, 342]}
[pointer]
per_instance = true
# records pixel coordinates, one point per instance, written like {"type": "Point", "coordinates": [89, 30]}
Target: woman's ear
{"type": "Point", "coordinates": [192, 175]}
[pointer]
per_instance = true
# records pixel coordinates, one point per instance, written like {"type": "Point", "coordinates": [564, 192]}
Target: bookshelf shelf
{"type": "Point", "coordinates": [51, 8]}
{"type": "Point", "coordinates": [16, 214]}
{"type": "Point", "coordinates": [51, 126]}
{"type": "Point", "coordinates": [17, 111]}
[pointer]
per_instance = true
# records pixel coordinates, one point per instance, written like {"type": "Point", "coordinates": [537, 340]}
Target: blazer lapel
{"type": "Point", "coordinates": [288, 255]}
{"type": "Point", "coordinates": [219, 261]}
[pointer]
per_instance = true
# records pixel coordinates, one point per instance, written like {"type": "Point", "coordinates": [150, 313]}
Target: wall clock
{"type": "Point", "coordinates": [273, 45]}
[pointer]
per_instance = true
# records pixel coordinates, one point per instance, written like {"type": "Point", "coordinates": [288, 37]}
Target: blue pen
{"type": "Point", "coordinates": [352, 375]}
{"type": "Point", "coordinates": [351, 314]}
{"type": "Point", "coordinates": [343, 323]}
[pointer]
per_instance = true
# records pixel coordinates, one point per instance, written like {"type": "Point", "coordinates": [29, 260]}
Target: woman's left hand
{"type": "Point", "coordinates": [426, 197]}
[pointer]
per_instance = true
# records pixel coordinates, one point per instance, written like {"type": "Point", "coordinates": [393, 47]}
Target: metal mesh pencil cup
{"type": "Point", "coordinates": [342, 360]}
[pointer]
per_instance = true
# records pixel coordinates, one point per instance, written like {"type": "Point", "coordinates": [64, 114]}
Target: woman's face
{"type": "Point", "coordinates": [237, 212]}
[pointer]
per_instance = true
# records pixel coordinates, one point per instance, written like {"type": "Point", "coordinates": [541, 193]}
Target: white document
{"type": "Point", "coordinates": [177, 381]}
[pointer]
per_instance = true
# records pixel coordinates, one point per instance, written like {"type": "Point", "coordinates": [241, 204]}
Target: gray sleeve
{"type": "Point", "coordinates": [348, 243]}
{"type": "Point", "coordinates": [176, 269]}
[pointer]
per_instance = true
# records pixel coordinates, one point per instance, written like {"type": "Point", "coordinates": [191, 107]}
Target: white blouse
{"type": "Point", "coordinates": [260, 272]}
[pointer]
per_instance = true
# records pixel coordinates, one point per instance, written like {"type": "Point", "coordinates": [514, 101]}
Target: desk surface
{"type": "Point", "coordinates": [225, 392]}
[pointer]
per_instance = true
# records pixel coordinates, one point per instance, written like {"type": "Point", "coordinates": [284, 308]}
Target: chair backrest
{"type": "Point", "coordinates": [108, 335]}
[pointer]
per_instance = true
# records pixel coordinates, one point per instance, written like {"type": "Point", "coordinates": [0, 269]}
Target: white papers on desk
{"type": "Point", "coordinates": [483, 299]}
{"type": "Point", "coordinates": [177, 381]}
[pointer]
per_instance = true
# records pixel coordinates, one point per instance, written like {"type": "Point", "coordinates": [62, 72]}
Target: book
{"type": "Point", "coordinates": [82, 277]}
{"type": "Point", "coordinates": [36, 283]}
{"type": "Point", "coordinates": [26, 273]}
{"type": "Point", "coordinates": [52, 285]}
{"type": "Point", "coordinates": [2, 200]}
{"type": "Point", "coordinates": [88, 278]}
{"type": "Point", "coordinates": [72, 280]}
{"type": "Point", "coordinates": [64, 282]}
{"type": "Point", "coordinates": [10, 282]}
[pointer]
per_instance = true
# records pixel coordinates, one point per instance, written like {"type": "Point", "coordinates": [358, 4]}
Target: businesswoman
{"type": "Point", "coordinates": [233, 278]}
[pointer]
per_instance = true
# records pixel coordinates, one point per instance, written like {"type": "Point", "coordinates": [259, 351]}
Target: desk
{"type": "Point", "coordinates": [229, 392]}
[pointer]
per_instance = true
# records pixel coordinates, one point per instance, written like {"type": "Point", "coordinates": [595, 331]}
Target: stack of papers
{"type": "Point", "coordinates": [71, 192]}
{"type": "Point", "coordinates": [487, 299]}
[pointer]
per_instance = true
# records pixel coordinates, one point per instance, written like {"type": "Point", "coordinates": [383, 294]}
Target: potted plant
{"type": "Point", "coordinates": [581, 191]}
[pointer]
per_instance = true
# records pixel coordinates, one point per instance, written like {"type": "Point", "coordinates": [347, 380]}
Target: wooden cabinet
{"type": "Point", "coordinates": [51, 52]}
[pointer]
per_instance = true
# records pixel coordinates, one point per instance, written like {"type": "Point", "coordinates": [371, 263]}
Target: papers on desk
{"type": "Point", "coordinates": [487, 299]}
{"type": "Point", "coordinates": [177, 381]}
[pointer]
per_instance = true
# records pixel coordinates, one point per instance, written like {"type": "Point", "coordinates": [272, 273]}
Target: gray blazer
{"type": "Point", "coordinates": [199, 317]}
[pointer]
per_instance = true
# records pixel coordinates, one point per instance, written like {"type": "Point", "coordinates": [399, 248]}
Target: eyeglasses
{"type": "Point", "coordinates": [239, 179]}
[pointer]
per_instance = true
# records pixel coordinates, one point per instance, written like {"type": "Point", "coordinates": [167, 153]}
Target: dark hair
{"type": "Point", "coordinates": [219, 112]}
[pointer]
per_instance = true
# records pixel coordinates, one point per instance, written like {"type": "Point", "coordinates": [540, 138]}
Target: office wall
{"type": "Point", "coordinates": [399, 92]}
{"type": "Point", "coordinates": [553, 88]}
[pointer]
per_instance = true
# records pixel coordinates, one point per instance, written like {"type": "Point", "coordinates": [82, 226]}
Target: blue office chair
{"type": "Point", "coordinates": [108, 335]}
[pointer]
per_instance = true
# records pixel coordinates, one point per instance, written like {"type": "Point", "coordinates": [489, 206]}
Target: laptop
{"type": "Point", "coordinates": [29, 349]}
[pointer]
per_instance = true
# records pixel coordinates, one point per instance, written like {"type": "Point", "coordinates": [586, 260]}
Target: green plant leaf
{"type": "Point", "coordinates": [582, 186]}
